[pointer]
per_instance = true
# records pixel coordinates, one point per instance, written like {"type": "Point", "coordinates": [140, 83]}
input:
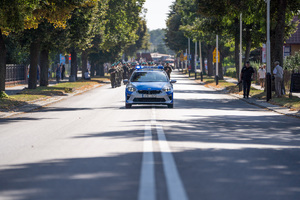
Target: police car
{"type": "Point", "coordinates": [149, 85]}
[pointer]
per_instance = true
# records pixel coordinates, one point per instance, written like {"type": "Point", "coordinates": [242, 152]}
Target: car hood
{"type": "Point", "coordinates": [149, 85]}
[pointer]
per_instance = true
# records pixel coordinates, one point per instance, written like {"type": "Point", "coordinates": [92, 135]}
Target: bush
{"type": "Point", "coordinates": [3, 95]}
{"type": "Point", "coordinates": [292, 62]}
{"type": "Point", "coordinates": [231, 72]}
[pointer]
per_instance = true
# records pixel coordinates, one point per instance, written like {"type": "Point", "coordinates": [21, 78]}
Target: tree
{"type": "Point", "coordinates": [80, 32]}
{"type": "Point", "coordinates": [282, 14]}
{"type": "Point", "coordinates": [142, 42]}
{"type": "Point", "coordinates": [13, 17]}
{"type": "Point", "coordinates": [27, 14]}
{"type": "Point", "coordinates": [175, 38]}
{"type": "Point", "coordinates": [120, 32]}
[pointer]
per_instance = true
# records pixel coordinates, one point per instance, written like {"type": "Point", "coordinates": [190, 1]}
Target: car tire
{"type": "Point", "coordinates": [128, 105]}
{"type": "Point", "coordinates": [170, 105]}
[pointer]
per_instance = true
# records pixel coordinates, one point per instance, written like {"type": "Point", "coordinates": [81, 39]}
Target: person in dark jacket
{"type": "Point", "coordinates": [63, 70]}
{"type": "Point", "coordinates": [246, 78]}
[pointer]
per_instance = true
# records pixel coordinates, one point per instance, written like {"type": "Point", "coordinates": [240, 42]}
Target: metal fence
{"type": "Point", "coordinates": [15, 73]}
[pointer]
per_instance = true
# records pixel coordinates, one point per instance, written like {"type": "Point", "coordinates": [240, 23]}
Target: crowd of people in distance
{"type": "Point", "coordinates": [120, 71]}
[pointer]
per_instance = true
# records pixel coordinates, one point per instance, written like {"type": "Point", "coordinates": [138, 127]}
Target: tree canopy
{"type": "Point", "coordinates": [93, 28]}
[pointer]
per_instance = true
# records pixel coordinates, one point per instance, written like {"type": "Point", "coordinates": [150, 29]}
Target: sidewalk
{"type": "Point", "coordinates": [33, 105]}
{"type": "Point", "coordinates": [232, 80]}
{"type": "Point", "coordinates": [260, 103]}
{"type": "Point", "coordinates": [12, 90]}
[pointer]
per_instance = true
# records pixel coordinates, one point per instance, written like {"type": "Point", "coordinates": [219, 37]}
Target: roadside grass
{"type": "Point", "coordinates": [28, 96]}
{"type": "Point", "coordinates": [292, 103]}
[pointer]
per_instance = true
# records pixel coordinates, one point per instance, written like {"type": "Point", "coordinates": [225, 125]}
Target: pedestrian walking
{"type": "Point", "coordinates": [131, 70]}
{"type": "Point", "coordinates": [58, 73]}
{"type": "Point", "coordinates": [246, 78]}
{"type": "Point", "coordinates": [125, 71]}
{"type": "Point", "coordinates": [278, 74]}
{"type": "Point", "coordinates": [63, 70]}
{"type": "Point", "coordinates": [262, 76]}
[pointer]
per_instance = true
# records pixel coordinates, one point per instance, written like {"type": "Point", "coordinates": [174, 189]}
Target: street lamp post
{"type": "Point", "coordinates": [268, 77]}
{"type": "Point", "coordinates": [195, 67]}
{"type": "Point", "coordinates": [241, 50]}
{"type": "Point", "coordinates": [217, 61]}
{"type": "Point", "coordinates": [188, 56]}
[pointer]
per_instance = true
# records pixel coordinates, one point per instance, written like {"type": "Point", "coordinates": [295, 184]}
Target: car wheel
{"type": "Point", "coordinates": [128, 105]}
{"type": "Point", "coordinates": [170, 105]}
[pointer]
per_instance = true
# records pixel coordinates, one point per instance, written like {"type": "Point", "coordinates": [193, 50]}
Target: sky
{"type": "Point", "coordinates": [157, 13]}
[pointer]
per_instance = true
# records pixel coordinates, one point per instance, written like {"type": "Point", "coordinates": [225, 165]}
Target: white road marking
{"type": "Point", "coordinates": [176, 189]}
{"type": "Point", "coordinates": [147, 180]}
{"type": "Point", "coordinates": [153, 116]}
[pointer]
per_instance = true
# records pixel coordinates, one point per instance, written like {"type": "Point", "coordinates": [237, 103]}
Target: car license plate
{"type": "Point", "coordinates": [149, 95]}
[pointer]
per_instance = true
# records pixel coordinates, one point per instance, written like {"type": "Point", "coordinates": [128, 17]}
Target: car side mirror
{"type": "Point", "coordinates": [173, 81]}
{"type": "Point", "coordinates": [125, 81]}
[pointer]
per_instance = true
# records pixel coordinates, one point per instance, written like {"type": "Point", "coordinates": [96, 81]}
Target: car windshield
{"type": "Point", "coordinates": [149, 77]}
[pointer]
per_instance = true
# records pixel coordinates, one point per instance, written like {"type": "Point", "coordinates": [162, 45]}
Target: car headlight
{"type": "Point", "coordinates": [131, 88]}
{"type": "Point", "coordinates": [167, 88]}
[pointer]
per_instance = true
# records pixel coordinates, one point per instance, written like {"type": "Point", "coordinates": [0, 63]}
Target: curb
{"type": "Point", "coordinates": [38, 104]}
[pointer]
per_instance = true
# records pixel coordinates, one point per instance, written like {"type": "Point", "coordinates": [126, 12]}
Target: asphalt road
{"type": "Point", "coordinates": [209, 146]}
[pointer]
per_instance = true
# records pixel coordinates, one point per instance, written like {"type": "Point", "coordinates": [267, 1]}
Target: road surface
{"type": "Point", "coordinates": [209, 146]}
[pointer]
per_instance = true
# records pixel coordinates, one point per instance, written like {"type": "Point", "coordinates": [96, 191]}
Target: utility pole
{"type": "Point", "coordinates": [186, 62]}
{"type": "Point", "coordinates": [241, 51]}
{"type": "Point", "coordinates": [268, 77]}
{"type": "Point", "coordinates": [196, 60]}
{"type": "Point", "coordinates": [200, 58]}
{"type": "Point", "coordinates": [217, 59]}
{"type": "Point", "coordinates": [188, 56]}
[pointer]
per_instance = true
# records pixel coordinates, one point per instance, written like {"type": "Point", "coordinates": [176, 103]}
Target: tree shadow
{"type": "Point", "coordinates": [109, 177]}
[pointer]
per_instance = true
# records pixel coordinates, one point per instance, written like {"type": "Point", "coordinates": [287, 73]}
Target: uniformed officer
{"type": "Point", "coordinates": [168, 70]}
{"type": "Point", "coordinates": [120, 73]}
{"type": "Point", "coordinates": [131, 70]}
{"type": "Point", "coordinates": [117, 75]}
{"type": "Point", "coordinates": [125, 71]}
{"type": "Point", "coordinates": [112, 71]}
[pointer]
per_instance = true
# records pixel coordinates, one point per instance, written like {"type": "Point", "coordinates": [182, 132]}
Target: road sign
{"type": "Point", "coordinates": [215, 55]}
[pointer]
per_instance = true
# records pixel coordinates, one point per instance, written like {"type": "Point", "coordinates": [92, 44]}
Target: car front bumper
{"type": "Point", "coordinates": [137, 98]}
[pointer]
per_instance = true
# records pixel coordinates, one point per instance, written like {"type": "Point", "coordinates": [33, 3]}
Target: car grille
{"type": "Point", "coordinates": [149, 100]}
{"type": "Point", "coordinates": [149, 91]}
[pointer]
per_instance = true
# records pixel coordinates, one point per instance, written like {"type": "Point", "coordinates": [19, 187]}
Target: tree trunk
{"type": "Point", "coordinates": [101, 69]}
{"type": "Point", "coordinates": [203, 66]}
{"type": "Point", "coordinates": [74, 63]}
{"type": "Point", "coordinates": [44, 64]}
{"type": "Point", "coordinates": [237, 52]}
{"type": "Point", "coordinates": [84, 62]}
{"type": "Point", "coordinates": [192, 62]}
{"type": "Point", "coordinates": [92, 69]}
{"type": "Point", "coordinates": [277, 34]}
{"type": "Point", "coordinates": [210, 67]}
{"type": "Point", "coordinates": [34, 60]}
{"type": "Point", "coordinates": [248, 44]}
{"type": "Point", "coordinates": [236, 47]}
{"type": "Point", "coordinates": [2, 63]}
{"type": "Point", "coordinates": [97, 69]}
{"type": "Point", "coordinates": [221, 77]}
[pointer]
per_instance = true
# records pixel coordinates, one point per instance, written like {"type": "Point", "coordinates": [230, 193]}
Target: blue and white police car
{"type": "Point", "coordinates": [149, 85]}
